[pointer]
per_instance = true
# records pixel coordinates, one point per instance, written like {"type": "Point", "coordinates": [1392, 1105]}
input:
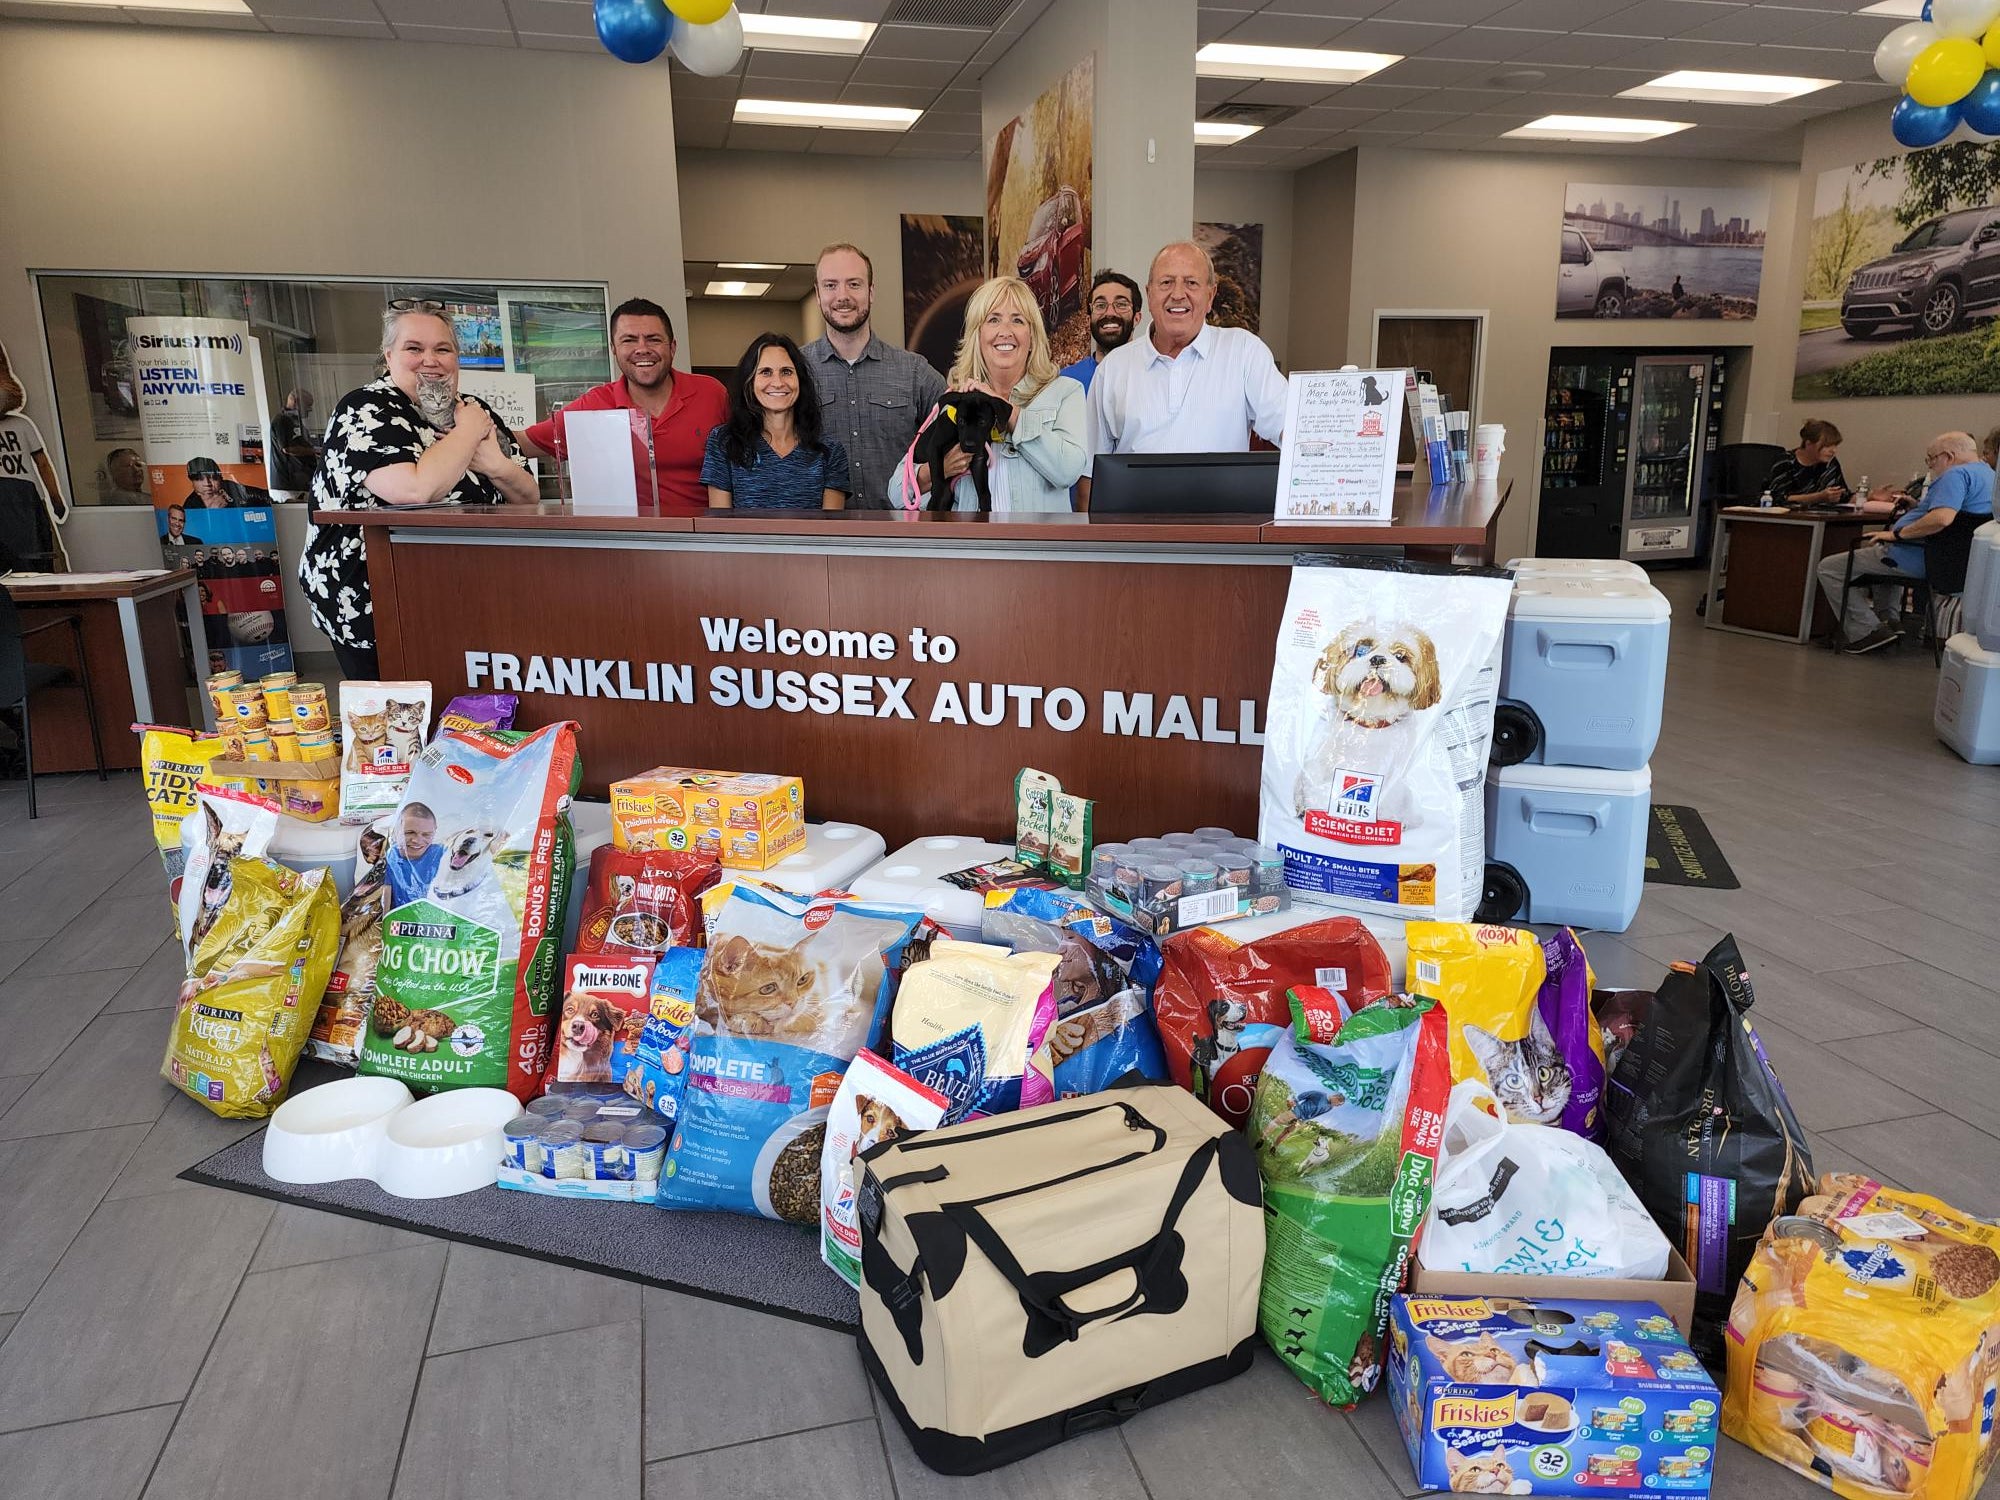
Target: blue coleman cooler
{"type": "Point", "coordinates": [1585, 669]}
{"type": "Point", "coordinates": [1576, 567]}
{"type": "Point", "coordinates": [1967, 716]}
{"type": "Point", "coordinates": [1566, 844]}
{"type": "Point", "coordinates": [1981, 600]}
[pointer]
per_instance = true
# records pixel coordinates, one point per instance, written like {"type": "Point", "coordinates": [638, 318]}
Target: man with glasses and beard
{"type": "Point", "coordinates": [872, 396]}
{"type": "Point", "coordinates": [1114, 318]}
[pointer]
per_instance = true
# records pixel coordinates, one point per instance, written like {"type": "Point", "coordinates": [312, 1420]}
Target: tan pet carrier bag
{"type": "Point", "coordinates": [1034, 1276]}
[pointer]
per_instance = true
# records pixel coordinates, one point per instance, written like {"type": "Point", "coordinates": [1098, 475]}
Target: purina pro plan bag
{"type": "Point", "coordinates": [1381, 712]}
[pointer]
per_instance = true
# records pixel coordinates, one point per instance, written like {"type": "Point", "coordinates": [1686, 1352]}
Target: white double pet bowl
{"type": "Point", "coordinates": [376, 1128]}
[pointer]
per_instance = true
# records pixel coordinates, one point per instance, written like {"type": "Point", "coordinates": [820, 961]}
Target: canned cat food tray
{"type": "Point", "coordinates": [1545, 1396]}
{"type": "Point", "coordinates": [914, 876]}
{"type": "Point", "coordinates": [371, 1128]}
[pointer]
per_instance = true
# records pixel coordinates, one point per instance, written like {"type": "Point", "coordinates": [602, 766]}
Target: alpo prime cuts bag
{"type": "Point", "coordinates": [478, 866]}
{"type": "Point", "coordinates": [1036, 1275]}
{"type": "Point", "coordinates": [1381, 713]}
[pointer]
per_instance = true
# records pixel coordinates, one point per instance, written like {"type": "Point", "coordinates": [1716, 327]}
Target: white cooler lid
{"type": "Point", "coordinates": [1967, 646]}
{"type": "Point", "coordinates": [914, 876]}
{"type": "Point", "coordinates": [1602, 596]}
{"type": "Point", "coordinates": [1574, 779]}
{"type": "Point", "coordinates": [1575, 567]}
{"type": "Point", "coordinates": [300, 842]}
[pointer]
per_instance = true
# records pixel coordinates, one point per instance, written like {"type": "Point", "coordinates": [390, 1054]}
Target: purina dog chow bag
{"type": "Point", "coordinates": [259, 941]}
{"type": "Point", "coordinates": [791, 990]}
{"type": "Point", "coordinates": [479, 868]}
{"type": "Point", "coordinates": [1381, 713]}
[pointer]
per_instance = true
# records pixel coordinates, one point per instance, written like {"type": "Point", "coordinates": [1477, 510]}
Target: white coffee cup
{"type": "Point", "coordinates": [1489, 441]}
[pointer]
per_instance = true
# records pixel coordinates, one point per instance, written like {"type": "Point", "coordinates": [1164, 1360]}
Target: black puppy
{"type": "Point", "coordinates": [968, 420]}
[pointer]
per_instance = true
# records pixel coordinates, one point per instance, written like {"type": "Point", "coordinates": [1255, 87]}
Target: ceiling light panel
{"type": "Point", "coordinates": [825, 116]}
{"type": "Point", "coordinates": [1289, 64]}
{"type": "Point", "coordinates": [1693, 86]}
{"type": "Point", "coordinates": [1222, 132]}
{"type": "Point", "coordinates": [210, 7]}
{"type": "Point", "coordinates": [736, 289]}
{"type": "Point", "coordinates": [1595, 128]}
{"type": "Point", "coordinates": [806, 34]}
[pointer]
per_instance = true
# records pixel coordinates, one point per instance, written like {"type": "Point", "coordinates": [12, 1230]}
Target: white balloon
{"type": "Point", "coordinates": [1898, 49]}
{"type": "Point", "coordinates": [714, 49]}
{"type": "Point", "coordinates": [1963, 17]}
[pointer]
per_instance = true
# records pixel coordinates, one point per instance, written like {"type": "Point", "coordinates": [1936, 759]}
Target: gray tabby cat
{"type": "Point", "coordinates": [438, 401]}
{"type": "Point", "coordinates": [1529, 1076]}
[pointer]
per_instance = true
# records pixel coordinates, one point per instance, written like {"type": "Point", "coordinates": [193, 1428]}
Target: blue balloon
{"type": "Point", "coordinates": [1980, 109]}
{"type": "Point", "coordinates": [1917, 125]}
{"type": "Point", "coordinates": [633, 31]}
{"type": "Point", "coordinates": [1927, 10]}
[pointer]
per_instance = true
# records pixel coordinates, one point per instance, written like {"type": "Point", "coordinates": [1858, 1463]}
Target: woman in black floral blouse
{"type": "Point", "coordinates": [408, 438]}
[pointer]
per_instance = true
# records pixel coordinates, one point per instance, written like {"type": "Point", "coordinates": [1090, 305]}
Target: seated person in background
{"type": "Point", "coordinates": [1809, 474]}
{"type": "Point", "coordinates": [1004, 352]}
{"type": "Point", "coordinates": [1958, 481]}
{"type": "Point", "coordinates": [771, 453]}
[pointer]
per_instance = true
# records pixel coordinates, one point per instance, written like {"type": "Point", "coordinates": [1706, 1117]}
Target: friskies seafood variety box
{"type": "Point", "coordinates": [1502, 1396]}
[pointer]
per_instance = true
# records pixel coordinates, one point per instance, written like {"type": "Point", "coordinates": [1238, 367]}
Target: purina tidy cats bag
{"type": "Point", "coordinates": [1381, 713]}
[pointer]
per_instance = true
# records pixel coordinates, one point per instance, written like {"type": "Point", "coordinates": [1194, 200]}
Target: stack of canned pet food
{"type": "Point", "coordinates": [594, 1142]}
{"type": "Point", "coordinates": [1186, 879]}
{"type": "Point", "coordinates": [277, 718]}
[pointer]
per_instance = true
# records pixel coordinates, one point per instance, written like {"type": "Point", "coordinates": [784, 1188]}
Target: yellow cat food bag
{"type": "Point", "coordinates": [1486, 978]}
{"type": "Point", "coordinates": [1864, 1344]}
{"type": "Point", "coordinates": [173, 763]}
{"type": "Point", "coordinates": [967, 1020]}
{"type": "Point", "coordinates": [260, 942]}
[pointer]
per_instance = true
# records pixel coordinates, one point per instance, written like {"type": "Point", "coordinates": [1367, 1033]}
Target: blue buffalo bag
{"type": "Point", "coordinates": [791, 988]}
{"type": "Point", "coordinates": [1104, 1026]}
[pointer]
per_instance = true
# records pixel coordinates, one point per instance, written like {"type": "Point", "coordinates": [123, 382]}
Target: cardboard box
{"type": "Point", "coordinates": [307, 789]}
{"type": "Point", "coordinates": [1674, 1293]}
{"type": "Point", "coordinates": [1550, 1396]}
{"type": "Point", "coordinates": [745, 820]}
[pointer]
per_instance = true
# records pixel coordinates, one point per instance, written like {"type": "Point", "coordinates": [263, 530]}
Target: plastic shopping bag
{"type": "Point", "coordinates": [1532, 1200]}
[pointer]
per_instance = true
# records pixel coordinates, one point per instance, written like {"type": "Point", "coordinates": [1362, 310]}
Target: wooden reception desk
{"type": "Point", "coordinates": [905, 667]}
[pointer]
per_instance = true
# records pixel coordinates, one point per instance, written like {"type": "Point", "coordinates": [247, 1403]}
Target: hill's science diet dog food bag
{"type": "Point", "coordinates": [478, 866]}
{"type": "Point", "coordinates": [1381, 713]}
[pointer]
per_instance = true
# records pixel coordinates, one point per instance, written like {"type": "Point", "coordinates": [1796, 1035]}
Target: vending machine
{"type": "Point", "coordinates": [1626, 441]}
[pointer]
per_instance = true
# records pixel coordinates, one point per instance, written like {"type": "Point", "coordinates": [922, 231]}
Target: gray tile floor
{"type": "Point", "coordinates": [163, 1339]}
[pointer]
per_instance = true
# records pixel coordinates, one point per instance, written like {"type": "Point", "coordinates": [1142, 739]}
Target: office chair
{"type": "Point", "coordinates": [1947, 555]}
{"type": "Point", "coordinates": [21, 679]}
{"type": "Point", "coordinates": [1740, 470]}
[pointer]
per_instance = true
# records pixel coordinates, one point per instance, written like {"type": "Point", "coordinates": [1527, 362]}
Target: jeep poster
{"type": "Point", "coordinates": [1902, 277]}
{"type": "Point", "coordinates": [1661, 252]}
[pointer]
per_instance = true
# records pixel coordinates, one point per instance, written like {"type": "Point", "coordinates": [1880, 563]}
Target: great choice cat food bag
{"type": "Point", "coordinates": [1347, 1119]}
{"type": "Point", "coordinates": [383, 725]}
{"type": "Point", "coordinates": [479, 867]}
{"type": "Point", "coordinates": [792, 988]}
{"type": "Point", "coordinates": [1381, 712]}
{"type": "Point", "coordinates": [1492, 982]}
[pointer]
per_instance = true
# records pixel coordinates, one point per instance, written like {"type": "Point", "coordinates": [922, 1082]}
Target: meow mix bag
{"type": "Point", "coordinates": [1381, 712]}
{"type": "Point", "coordinates": [1531, 1040]}
{"type": "Point", "coordinates": [1700, 1126]}
{"type": "Point", "coordinates": [259, 942]}
{"type": "Point", "coordinates": [479, 866]}
{"type": "Point", "coordinates": [790, 991]}
{"type": "Point", "coordinates": [1864, 1344]}
{"type": "Point", "coordinates": [1348, 1116]}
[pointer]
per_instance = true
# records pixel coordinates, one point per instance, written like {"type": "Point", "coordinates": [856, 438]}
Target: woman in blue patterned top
{"type": "Point", "coordinates": [771, 454]}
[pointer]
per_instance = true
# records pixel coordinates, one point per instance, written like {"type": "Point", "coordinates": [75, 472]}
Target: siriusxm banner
{"type": "Point", "coordinates": [200, 385]}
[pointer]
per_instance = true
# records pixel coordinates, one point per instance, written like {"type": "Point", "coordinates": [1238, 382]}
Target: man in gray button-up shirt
{"type": "Point", "coordinates": [871, 396]}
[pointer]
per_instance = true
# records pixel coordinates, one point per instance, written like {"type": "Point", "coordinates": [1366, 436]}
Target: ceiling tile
{"type": "Point", "coordinates": [1213, 22]}
{"type": "Point", "coordinates": [904, 70]}
{"type": "Point", "coordinates": [1380, 34]}
{"type": "Point", "coordinates": [906, 96]}
{"type": "Point", "coordinates": [1209, 91]}
{"type": "Point", "coordinates": [1658, 18]}
{"type": "Point", "coordinates": [1761, 23]}
{"type": "Point", "coordinates": [1433, 72]}
{"type": "Point", "coordinates": [486, 15]}
{"type": "Point", "coordinates": [1579, 49]}
{"type": "Point", "coordinates": [545, 17]}
{"type": "Point", "coordinates": [770, 138]}
{"type": "Point", "coordinates": [693, 86]}
{"type": "Point", "coordinates": [806, 66]}
{"type": "Point", "coordinates": [1442, 12]}
{"type": "Point", "coordinates": [547, 42]}
{"type": "Point", "coordinates": [1488, 44]}
{"type": "Point", "coordinates": [464, 36]}
{"type": "Point", "coordinates": [1273, 29]}
{"type": "Point", "coordinates": [852, 143]}
{"type": "Point", "coordinates": [1285, 93]}
{"type": "Point", "coordinates": [103, 15]}
{"type": "Point", "coordinates": [316, 10]}
{"type": "Point", "coordinates": [194, 19]}
{"type": "Point", "coordinates": [830, 10]}
{"type": "Point", "coordinates": [306, 26]}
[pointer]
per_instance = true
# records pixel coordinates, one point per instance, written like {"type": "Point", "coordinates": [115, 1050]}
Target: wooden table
{"type": "Point", "coordinates": [132, 641]}
{"type": "Point", "coordinates": [1763, 568]}
{"type": "Point", "coordinates": [1138, 647]}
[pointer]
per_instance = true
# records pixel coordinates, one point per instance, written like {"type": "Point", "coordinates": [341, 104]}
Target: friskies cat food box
{"type": "Point", "coordinates": [1506, 1396]}
{"type": "Point", "coordinates": [745, 820]}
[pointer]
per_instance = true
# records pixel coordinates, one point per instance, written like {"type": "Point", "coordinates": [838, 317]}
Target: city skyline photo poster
{"type": "Point", "coordinates": [1631, 251]}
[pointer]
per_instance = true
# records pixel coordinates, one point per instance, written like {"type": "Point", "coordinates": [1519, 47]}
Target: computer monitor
{"type": "Point", "coordinates": [1184, 483]}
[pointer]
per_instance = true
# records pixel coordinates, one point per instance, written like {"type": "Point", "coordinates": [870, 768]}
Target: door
{"type": "Point", "coordinates": [1450, 345]}
{"type": "Point", "coordinates": [1669, 423]}
{"type": "Point", "coordinates": [1574, 293]}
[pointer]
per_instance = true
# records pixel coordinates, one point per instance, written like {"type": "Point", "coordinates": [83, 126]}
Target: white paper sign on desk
{"type": "Point", "coordinates": [1339, 457]}
{"type": "Point", "coordinates": [604, 478]}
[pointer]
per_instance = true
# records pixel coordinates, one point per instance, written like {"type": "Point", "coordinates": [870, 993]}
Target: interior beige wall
{"type": "Point", "coordinates": [514, 166]}
{"type": "Point", "coordinates": [759, 205]}
{"type": "Point", "coordinates": [1478, 231]}
{"type": "Point", "coordinates": [721, 328]}
{"type": "Point", "coordinates": [1323, 279]}
{"type": "Point", "coordinates": [1255, 197]}
{"type": "Point", "coordinates": [1884, 436]}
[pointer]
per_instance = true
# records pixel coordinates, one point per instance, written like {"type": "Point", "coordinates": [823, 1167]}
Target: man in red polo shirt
{"type": "Point", "coordinates": [682, 409]}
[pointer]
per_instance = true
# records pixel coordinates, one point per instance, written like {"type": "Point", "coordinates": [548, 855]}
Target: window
{"type": "Point", "coordinates": [1574, 253]}
{"type": "Point", "coordinates": [321, 338]}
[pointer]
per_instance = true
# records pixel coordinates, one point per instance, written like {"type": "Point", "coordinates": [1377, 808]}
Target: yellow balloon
{"type": "Point", "coordinates": [1992, 48]}
{"type": "Point", "coordinates": [708, 12]}
{"type": "Point", "coordinates": [1945, 71]}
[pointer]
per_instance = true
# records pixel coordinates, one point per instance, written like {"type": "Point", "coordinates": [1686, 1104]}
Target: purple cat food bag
{"type": "Point", "coordinates": [1564, 1002]}
{"type": "Point", "coordinates": [487, 711]}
